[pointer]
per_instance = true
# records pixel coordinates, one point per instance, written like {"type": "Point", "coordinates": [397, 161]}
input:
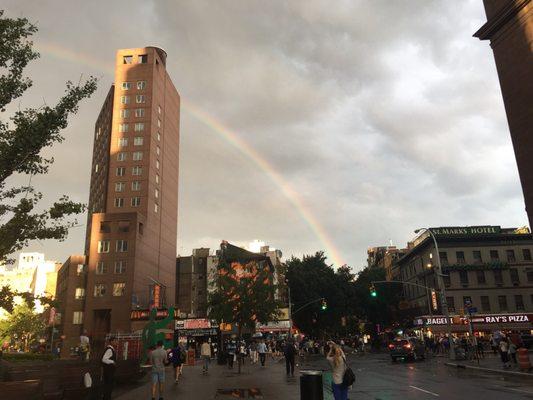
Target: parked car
{"type": "Point", "coordinates": [408, 348]}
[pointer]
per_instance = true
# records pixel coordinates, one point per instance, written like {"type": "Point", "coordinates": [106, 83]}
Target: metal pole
{"type": "Point", "coordinates": [290, 310]}
{"type": "Point", "coordinates": [444, 303]}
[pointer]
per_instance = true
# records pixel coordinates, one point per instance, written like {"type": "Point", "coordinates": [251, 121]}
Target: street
{"type": "Point", "coordinates": [377, 378]}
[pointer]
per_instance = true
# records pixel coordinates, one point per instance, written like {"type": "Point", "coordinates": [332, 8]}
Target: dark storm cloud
{"type": "Point", "coordinates": [382, 115]}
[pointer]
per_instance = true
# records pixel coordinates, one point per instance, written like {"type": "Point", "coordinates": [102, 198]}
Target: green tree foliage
{"type": "Point", "coordinates": [22, 327]}
{"type": "Point", "coordinates": [22, 140]}
{"type": "Point", "coordinates": [347, 295]}
{"type": "Point", "coordinates": [243, 296]}
{"type": "Point", "coordinates": [8, 296]}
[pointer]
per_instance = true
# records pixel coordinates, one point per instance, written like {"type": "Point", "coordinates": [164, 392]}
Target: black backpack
{"type": "Point", "coordinates": [348, 379]}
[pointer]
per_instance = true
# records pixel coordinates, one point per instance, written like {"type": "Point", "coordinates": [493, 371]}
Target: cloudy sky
{"type": "Point", "coordinates": [334, 125]}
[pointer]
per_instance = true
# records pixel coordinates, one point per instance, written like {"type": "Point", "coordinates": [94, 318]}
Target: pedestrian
{"type": "Point", "coordinates": [262, 350]}
{"type": "Point", "coordinates": [494, 344]}
{"type": "Point", "coordinates": [337, 361]}
{"type": "Point", "coordinates": [108, 367]}
{"type": "Point", "coordinates": [512, 351]}
{"type": "Point", "coordinates": [158, 359]}
{"type": "Point", "coordinates": [480, 349]}
{"type": "Point", "coordinates": [176, 359]}
{"type": "Point", "coordinates": [205, 352]}
{"type": "Point", "coordinates": [253, 352]}
{"type": "Point", "coordinates": [85, 347]}
{"type": "Point", "coordinates": [230, 348]}
{"type": "Point", "coordinates": [290, 353]}
{"type": "Point", "coordinates": [504, 352]}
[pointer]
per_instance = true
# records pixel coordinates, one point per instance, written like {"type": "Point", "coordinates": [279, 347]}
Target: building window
{"type": "Point", "coordinates": [122, 128]}
{"type": "Point", "coordinates": [138, 141]}
{"type": "Point", "coordinates": [137, 171]}
{"type": "Point", "coordinates": [105, 227]}
{"type": "Point", "coordinates": [125, 113]}
{"type": "Point", "coordinates": [156, 178]}
{"type": "Point", "coordinates": [140, 98]}
{"type": "Point", "coordinates": [103, 246]}
{"type": "Point", "coordinates": [141, 85]}
{"type": "Point", "coordinates": [139, 112]}
{"type": "Point", "coordinates": [101, 268]}
{"type": "Point", "coordinates": [519, 302]}
{"type": "Point", "coordinates": [120, 186]}
{"type": "Point", "coordinates": [156, 208]}
{"type": "Point", "coordinates": [515, 280]}
{"type": "Point", "coordinates": [529, 274]}
{"type": "Point", "coordinates": [141, 228]}
{"type": "Point", "coordinates": [126, 85]}
{"type": "Point", "coordinates": [80, 269]}
{"type": "Point", "coordinates": [122, 156]}
{"type": "Point", "coordinates": [481, 277]}
{"type": "Point", "coordinates": [477, 257]}
{"type": "Point", "coordinates": [125, 99]}
{"type": "Point", "coordinates": [123, 226]}
{"type": "Point", "coordinates": [119, 202]}
{"type": "Point", "coordinates": [502, 301]}
{"type": "Point", "coordinates": [77, 317]}
{"type": "Point", "coordinates": [485, 303]}
{"type": "Point", "coordinates": [143, 59]}
{"type": "Point", "coordinates": [139, 127]}
{"type": "Point", "coordinates": [463, 277]}
{"type": "Point", "coordinates": [135, 201]}
{"type": "Point", "coordinates": [121, 246]}
{"type": "Point", "coordinates": [446, 279]}
{"type": "Point", "coordinates": [119, 289]}
{"type": "Point", "coordinates": [99, 290]}
{"type": "Point", "coordinates": [510, 256]}
{"type": "Point", "coordinates": [498, 277]}
{"type": "Point", "coordinates": [451, 303]}
{"type": "Point", "coordinates": [122, 142]}
{"type": "Point", "coordinates": [157, 164]}
{"type": "Point", "coordinates": [80, 293]}
{"type": "Point", "coordinates": [460, 257]}
{"type": "Point", "coordinates": [494, 256]}
{"type": "Point", "coordinates": [526, 253]}
{"type": "Point", "coordinates": [136, 186]}
{"type": "Point", "coordinates": [120, 267]}
{"type": "Point", "coordinates": [138, 156]}
{"type": "Point", "coordinates": [127, 59]}
{"type": "Point", "coordinates": [156, 193]}
{"type": "Point", "coordinates": [121, 171]}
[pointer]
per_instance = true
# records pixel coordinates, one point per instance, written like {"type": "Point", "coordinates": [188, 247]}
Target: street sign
{"type": "Point", "coordinates": [472, 310]}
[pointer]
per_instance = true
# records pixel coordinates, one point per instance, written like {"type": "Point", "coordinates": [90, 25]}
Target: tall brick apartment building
{"type": "Point", "coordinates": [133, 204]}
{"type": "Point", "coordinates": [509, 28]}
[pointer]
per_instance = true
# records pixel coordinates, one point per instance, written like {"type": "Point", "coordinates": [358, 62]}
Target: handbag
{"type": "Point", "coordinates": [348, 379]}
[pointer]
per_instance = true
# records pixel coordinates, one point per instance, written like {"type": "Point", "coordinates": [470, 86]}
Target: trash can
{"type": "Point", "coordinates": [523, 359]}
{"type": "Point", "coordinates": [311, 385]}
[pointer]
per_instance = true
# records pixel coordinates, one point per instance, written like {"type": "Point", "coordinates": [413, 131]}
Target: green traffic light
{"type": "Point", "coordinates": [374, 294]}
{"type": "Point", "coordinates": [324, 305]}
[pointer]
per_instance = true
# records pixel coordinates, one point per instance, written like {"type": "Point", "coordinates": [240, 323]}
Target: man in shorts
{"type": "Point", "coordinates": [158, 359]}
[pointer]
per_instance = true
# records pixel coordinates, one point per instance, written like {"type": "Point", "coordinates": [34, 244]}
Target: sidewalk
{"type": "Point", "coordinates": [491, 363]}
{"type": "Point", "coordinates": [222, 383]}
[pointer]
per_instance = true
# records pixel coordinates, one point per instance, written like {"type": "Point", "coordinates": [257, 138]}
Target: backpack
{"type": "Point", "coordinates": [348, 379]}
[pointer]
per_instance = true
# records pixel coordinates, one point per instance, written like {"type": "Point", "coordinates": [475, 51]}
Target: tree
{"type": "Point", "coordinates": [22, 327]}
{"type": "Point", "coordinates": [243, 296]}
{"type": "Point", "coordinates": [311, 278]}
{"type": "Point", "coordinates": [8, 296]}
{"type": "Point", "coordinates": [22, 140]}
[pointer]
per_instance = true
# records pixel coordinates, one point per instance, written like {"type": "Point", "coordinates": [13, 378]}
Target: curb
{"type": "Point", "coordinates": [494, 371]}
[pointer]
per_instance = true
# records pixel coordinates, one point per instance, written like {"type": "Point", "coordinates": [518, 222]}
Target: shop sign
{"type": "Point", "coordinates": [199, 323]}
{"type": "Point", "coordinates": [283, 325]}
{"type": "Point", "coordinates": [144, 315]}
{"type": "Point", "coordinates": [466, 230]}
{"type": "Point", "coordinates": [503, 318]}
{"type": "Point", "coordinates": [434, 300]}
{"type": "Point", "coordinates": [198, 332]}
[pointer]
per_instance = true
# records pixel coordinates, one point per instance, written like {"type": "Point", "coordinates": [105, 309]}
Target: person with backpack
{"type": "Point", "coordinates": [337, 360]}
{"type": "Point", "coordinates": [289, 351]}
{"type": "Point", "coordinates": [109, 360]}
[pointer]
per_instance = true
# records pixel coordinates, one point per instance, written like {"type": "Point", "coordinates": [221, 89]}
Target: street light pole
{"type": "Point", "coordinates": [290, 309]}
{"type": "Point", "coordinates": [442, 289]}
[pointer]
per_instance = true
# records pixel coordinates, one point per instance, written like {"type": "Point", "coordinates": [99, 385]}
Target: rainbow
{"type": "Point", "coordinates": [228, 135]}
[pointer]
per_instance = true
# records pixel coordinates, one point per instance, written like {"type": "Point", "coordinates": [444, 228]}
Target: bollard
{"type": "Point", "coordinates": [311, 385]}
{"type": "Point", "coordinates": [523, 359]}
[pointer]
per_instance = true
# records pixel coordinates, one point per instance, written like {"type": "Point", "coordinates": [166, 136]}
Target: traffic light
{"type": "Point", "coordinates": [373, 292]}
{"type": "Point", "coordinates": [324, 305]}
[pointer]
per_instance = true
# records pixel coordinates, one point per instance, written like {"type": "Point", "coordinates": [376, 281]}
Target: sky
{"type": "Point", "coordinates": [310, 125]}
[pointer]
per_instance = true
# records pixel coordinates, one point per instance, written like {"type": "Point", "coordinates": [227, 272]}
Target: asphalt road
{"type": "Point", "coordinates": [379, 378]}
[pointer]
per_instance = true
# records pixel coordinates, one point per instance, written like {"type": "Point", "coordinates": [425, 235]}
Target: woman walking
{"type": "Point", "coordinates": [337, 360]}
